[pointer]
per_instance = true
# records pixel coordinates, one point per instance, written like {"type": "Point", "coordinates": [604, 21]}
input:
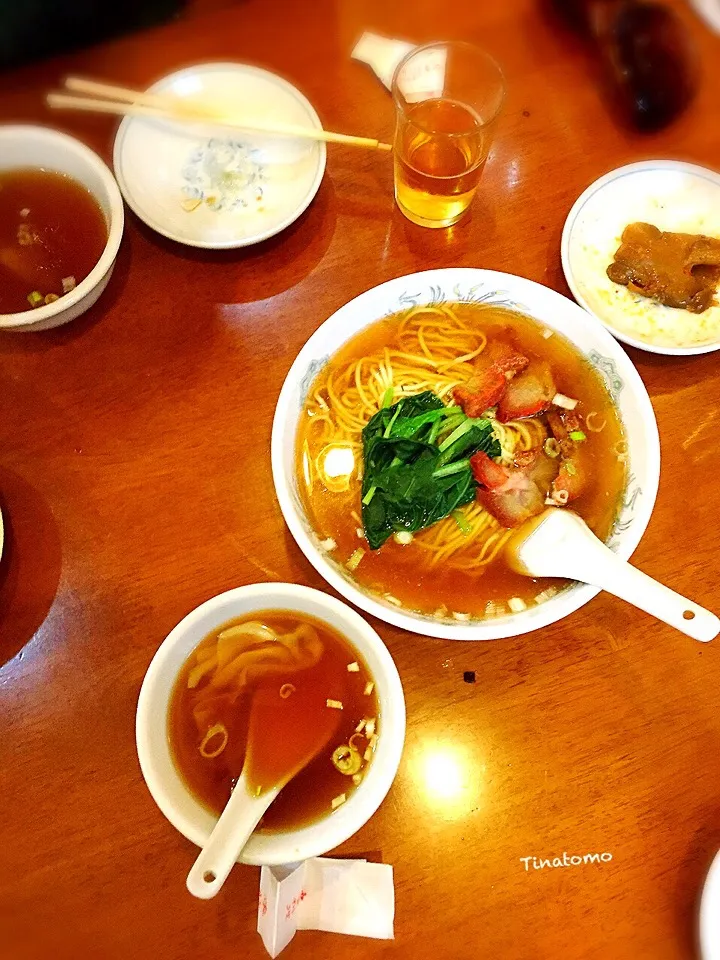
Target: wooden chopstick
{"type": "Point", "coordinates": [138, 103]}
{"type": "Point", "coordinates": [113, 92]}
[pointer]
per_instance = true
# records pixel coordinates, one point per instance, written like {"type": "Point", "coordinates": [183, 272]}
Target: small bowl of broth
{"type": "Point", "coordinates": [280, 641]}
{"type": "Point", "coordinates": [61, 222]}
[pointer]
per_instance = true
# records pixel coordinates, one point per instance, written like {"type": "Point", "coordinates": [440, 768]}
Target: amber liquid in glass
{"type": "Point", "coordinates": [439, 159]}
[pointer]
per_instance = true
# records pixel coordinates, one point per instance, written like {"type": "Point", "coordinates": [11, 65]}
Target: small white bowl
{"type": "Point", "coordinates": [27, 146]}
{"type": "Point", "coordinates": [470, 286]}
{"type": "Point", "coordinates": [710, 914]}
{"type": "Point", "coordinates": [160, 163]}
{"type": "Point", "coordinates": [168, 789]}
{"type": "Point", "coordinates": [672, 195]}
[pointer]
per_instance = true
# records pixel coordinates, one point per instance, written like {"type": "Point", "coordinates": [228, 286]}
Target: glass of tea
{"type": "Point", "coordinates": [448, 97]}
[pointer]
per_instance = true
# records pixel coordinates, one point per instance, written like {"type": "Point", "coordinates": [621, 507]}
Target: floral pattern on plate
{"type": "Point", "coordinates": [224, 175]}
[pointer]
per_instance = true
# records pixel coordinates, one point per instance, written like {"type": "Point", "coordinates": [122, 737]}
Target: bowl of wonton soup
{"type": "Point", "coordinates": [167, 784]}
{"type": "Point", "coordinates": [443, 600]}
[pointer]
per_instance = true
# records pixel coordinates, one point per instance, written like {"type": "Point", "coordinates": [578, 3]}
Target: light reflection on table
{"type": "Point", "coordinates": [447, 776]}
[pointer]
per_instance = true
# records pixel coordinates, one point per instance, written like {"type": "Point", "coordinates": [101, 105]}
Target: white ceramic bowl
{"type": "Point", "coordinates": [26, 146]}
{"type": "Point", "coordinates": [478, 286]}
{"type": "Point", "coordinates": [710, 914]}
{"type": "Point", "coordinates": [174, 799]}
{"type": "Point", "coordinates": [248, 187]}
{"type": "Point", "coordinates": [672, 195]}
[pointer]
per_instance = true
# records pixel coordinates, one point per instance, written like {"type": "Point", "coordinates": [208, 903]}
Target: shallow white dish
{"type": "Point", "coordinates": [710, 914]}
{"type": "Point", "coordinates": [164, 782]}
{"type": "Point", "coordinates": [487, 286]}
{"type": "Point", "coordinates": [28, 146]}
{"type": "Point", "coordinates": [250, 187]}
{"type": "Point", "coordinates": [672, 195]}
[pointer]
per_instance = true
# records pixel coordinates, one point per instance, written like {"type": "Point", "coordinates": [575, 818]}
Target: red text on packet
{"type": "Point", "coordinates": [292, 907]}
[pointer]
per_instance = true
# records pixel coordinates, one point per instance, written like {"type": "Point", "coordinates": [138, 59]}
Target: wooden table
{"type": "Point", "coordinates": [135, 481]}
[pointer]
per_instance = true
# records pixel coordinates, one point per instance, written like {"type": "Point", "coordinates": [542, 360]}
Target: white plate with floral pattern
{"type": "Point", "coordinates": [216, 187]}
{"type": "Point", "coordinates": [710, 914]}
{"type": "Point", "coordinates": [471, 286]}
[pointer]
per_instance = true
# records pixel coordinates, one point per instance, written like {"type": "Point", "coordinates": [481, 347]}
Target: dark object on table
{"type": "Point", "coordinates": [646, 54]}
{"type": "Point", "coordinates": [31, 29]}
{"type": "Point", "coordinates": [469, 676]}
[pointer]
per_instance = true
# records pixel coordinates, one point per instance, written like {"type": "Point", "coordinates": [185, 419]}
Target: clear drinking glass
{"type": "Point", "coordinates": [448, 97]}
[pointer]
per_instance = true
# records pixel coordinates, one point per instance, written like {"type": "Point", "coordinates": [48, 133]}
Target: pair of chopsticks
{"type": "Point", "coordinates": [108, 98]}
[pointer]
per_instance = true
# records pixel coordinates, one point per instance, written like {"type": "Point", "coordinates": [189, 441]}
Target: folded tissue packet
{"type": "Point", "coordinates": [340, 896]}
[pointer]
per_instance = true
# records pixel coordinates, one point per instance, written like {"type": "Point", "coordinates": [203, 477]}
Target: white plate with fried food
{"type": "Point", "coordinates": [673, 196]}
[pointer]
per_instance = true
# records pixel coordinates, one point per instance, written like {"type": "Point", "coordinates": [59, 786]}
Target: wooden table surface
{"type": "Point", "coordinates": [135, 482]}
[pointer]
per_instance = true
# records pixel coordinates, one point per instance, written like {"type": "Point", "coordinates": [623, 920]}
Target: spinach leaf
{"type": "Point", "coordinates": [409, 480]}
{"type": "Point", "coordinates": [405, 418]}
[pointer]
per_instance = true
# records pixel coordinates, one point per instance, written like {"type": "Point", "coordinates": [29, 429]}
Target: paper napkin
{"type": "Point", "coordinates": [340, 896]}
{"type": "Point", "coordinates": [425, 81]}
{"type": "Point", "coordinates": [709, 10]}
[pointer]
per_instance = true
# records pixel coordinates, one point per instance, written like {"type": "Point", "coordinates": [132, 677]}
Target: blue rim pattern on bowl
{"type": "Point", "coordinates": [637, 500]}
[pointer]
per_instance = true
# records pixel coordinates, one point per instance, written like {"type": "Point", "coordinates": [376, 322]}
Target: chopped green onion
{"type": "Point", "coordinates": [35, 298]}
{"type": "Point", "coordinates": [387, 397]}
{"type": "Point", "coordinates": [577, 435]}
{"type": "Point", "coordinates": [369, 495]}
{"type": "Point", "coordinates": [352, 564]}
{"type": "Point", "coordinates": [462, 522]}
{"type": "Point", "coordinates": [552, 447]}
{"type": "Point", "coordinates": [570, 467]}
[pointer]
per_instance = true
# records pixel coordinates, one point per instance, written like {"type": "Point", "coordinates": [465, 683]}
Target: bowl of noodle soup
{"type": "Point", "coordinates": [416, 348]}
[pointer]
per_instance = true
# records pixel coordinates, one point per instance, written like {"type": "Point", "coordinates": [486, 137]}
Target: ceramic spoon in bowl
{"type": "Point", "coordinates": [558, 543]}
{"type": "Point", "coordinates": [281, 742]}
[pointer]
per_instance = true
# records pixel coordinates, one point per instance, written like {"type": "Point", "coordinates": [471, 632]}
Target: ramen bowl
{"type": "Point", "coordinates": [555, 312]}
{"type": "Point", "coordinates": [165, 783]}
{"type": "Point", "coordinates": [41, 147]}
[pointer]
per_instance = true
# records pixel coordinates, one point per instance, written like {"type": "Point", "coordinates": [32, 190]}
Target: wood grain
{"type": "Point", "coordinates": [136, 477]}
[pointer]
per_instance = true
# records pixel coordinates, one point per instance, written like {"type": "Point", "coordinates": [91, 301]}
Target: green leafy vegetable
{"type": "Point", "coordinates": [411, 481]}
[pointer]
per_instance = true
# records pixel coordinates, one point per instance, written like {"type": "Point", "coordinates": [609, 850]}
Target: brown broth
{"type": "Point", "coordinates": [51, 228]}
{"type": "Point", "coordinates": [308, 796]}
{"type": "Point", "coordinates": [398, 569]}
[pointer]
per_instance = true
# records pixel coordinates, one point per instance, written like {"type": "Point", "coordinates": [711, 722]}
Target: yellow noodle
{"type": "Point", "coordinates": [436, 351]}
{"type": "Point", "coordinates": [358, 383]}
{"type": "Point", "coordinates": [463, 359]}
{"type": "Point", "coordinates": [423, 345]}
